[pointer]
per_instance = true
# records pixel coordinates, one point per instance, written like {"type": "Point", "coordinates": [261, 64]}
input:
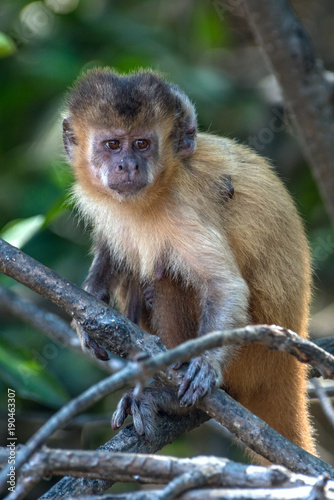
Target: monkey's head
{"type": "Point", "coordinates": [122, 130]}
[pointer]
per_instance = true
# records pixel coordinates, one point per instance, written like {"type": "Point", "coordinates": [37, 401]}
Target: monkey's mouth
{"type": "Point", "coordinates": [127, 188]}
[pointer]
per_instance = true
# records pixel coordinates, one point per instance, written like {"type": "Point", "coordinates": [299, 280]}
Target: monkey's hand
{"type": "Point", "coordinates": [88, 344]}
{"type": "Point", "coordinates": [202, 375]}
{"type": "Point", "coordinates": [146, 408]}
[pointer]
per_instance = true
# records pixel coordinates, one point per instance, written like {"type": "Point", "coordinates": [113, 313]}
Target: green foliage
{"type": "Point", "coordinates": [19, 232]}
{"type": "Point", "coordinates": [7, 46]}
{"type": "Point", "coordinates": [29, 378]}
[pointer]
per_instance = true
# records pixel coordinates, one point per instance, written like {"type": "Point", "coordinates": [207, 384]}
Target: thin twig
{"type": "Point", "coordinates": [325, 402]}
{"type": "Point", "coordinates": [317, 492]}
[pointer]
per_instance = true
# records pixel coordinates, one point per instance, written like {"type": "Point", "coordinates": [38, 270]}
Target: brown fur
{"type": "Point", "coordinates": [209, 242]}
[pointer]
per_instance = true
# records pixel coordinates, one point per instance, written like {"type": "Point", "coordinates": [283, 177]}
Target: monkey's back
{"type": "Point", "coordinates": [264, 231]}
{"type": "Point", "coordinates": [269, 244]}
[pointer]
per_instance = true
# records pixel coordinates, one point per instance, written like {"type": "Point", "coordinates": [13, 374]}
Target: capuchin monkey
{"type": "Point", "coordinates": [192, 233]}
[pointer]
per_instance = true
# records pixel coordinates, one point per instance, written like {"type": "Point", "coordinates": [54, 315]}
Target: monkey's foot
{"type": "Point", "coordinates": [201, 377]}
{"type": "Point", "coordinates": [145, 409]}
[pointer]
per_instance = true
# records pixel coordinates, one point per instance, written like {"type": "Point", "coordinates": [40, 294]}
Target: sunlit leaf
{"type": "Point", "coordinates": [7, 46]}
{"type": "Point", "coordinates": [19, 232]}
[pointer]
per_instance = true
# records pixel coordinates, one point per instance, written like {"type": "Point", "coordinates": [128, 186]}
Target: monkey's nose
{"type": "Point", "coordinates": [127, 167]}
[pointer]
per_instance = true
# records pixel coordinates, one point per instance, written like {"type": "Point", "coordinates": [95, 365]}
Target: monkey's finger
{"type": "Point", "coordinates": [97, 350]}
{"type": "Point", "coordinates": [197, 389]}
{"type": "Point", "coordinates": [137, 417]}
{"type": "Point", "coordinates": [203, 381]}
{"type": "Point", "coordinates": [189, 397]}
{"type": "Point", "coordinates": [189, 377]}
{"type": "Point", "coordinates": [149, 294]}
{"type": "Point", "coordinates": [195, 393]}
{"type": "Point", "coordinates": [118, 419]}
{"type": "Point", "coordinates": [147, 406]}
{"type": "Point", "coordinates": [122, 411]}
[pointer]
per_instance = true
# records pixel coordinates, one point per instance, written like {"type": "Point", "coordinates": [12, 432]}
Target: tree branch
{"type": "Point", "coordinates": [317, 492]}
{"type": "Point", "coordinates": [290, 55]}
{"type": "Point", "coordinates": [119, 335]}
{"type": "Point", "coordinates": [251, 430]}
{"type": "Point", "coordinates": [59, 330]}
{"type": "Point", "coordinates": [127, 440]}
{"type": "Point", "coordinates": [86, 309]}
{"type": "Point", "coordinates": [56, 328]}
{"type": "Point", "coordinates": [151, 469]}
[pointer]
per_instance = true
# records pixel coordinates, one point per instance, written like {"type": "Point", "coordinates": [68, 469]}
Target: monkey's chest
{"type": "Point", "coordinates": [138, 248]}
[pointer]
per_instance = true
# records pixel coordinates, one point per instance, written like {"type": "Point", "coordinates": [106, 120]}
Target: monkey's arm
{"type": "Point", "coordinates": [101, 277]}
{"type": "Point", "coordinates": [224, 305]}
{"type": "Point", "coordinates": [202, 248]}
{"type": "Point", "coordinates": [99, 282]}
{"type": "Point", "coordinates": [103, 281]}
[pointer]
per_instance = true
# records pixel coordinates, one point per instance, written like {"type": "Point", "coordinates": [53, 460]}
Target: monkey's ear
{"type": "Point", "coordinates": [189, 143]}
{"type": "Point", "coordinates": [226, 188]}
{"type": "Point", "coordinates": [69, 139]}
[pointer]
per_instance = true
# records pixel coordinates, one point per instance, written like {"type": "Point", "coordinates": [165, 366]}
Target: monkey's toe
{"type": "Point", "coordinates": [138, 408]}
{"type": "Point", "coordinates": [122, 411]}
{"type": "Point", "coordinates": [146, 409]}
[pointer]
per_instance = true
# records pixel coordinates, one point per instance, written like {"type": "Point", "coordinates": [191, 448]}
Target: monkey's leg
{"type": "Point", "coordinates": [174, 316]}
{"type": "Point", "coordinates": [272, 385]}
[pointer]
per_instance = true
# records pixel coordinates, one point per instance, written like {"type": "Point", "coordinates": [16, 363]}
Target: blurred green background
{"type": "Point", "coordinates": [208, 50]}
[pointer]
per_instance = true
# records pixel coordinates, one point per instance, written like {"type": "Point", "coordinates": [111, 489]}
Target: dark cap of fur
{"type": "Point", "coordinates": [106, 99]}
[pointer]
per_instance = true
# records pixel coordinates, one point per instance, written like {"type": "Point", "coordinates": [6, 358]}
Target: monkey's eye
{"type": "Point", "coordinates": [114, 144]}
{"type": "Point", "coordinates": [142, 144]}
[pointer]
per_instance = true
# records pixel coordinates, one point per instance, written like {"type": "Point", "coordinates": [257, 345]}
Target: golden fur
{"type": "Point", "coordinates": [258, 232]}
{"type": "Point", "coordinates": [215, 260]}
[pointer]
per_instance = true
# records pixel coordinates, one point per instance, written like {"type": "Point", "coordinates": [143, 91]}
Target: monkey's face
{"type": "Point", "coordinates": [117, 162]}
{"type": "Point", "coordinates": [121, 160]}
{"type": "Point", "coordinates": [127, 133]}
